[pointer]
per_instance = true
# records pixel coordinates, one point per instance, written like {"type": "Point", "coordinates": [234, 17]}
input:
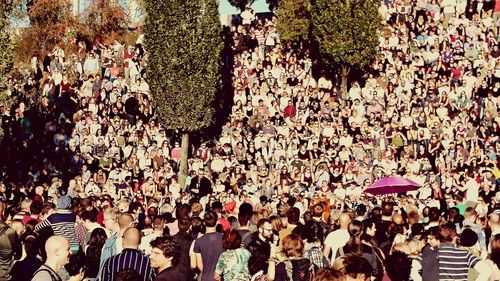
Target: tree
{"type": "Point", "coordinates": [293, 20]}
{"type": "Point", "coordinates": [6, 53]}
{"type": "Point", "coordinates": [102, 20]}
{"type": "Point", "coordinates": [241, 4]}
{"type": "Point", "coordinates": [183, 40]}
{"type": "Point", "coordinates": [50, 21]}
{"type": "Point", "coordinates": [346, 33]}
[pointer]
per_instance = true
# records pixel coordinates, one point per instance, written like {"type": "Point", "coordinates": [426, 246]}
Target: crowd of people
{"type": "Point", "coordinates": [91, 189]}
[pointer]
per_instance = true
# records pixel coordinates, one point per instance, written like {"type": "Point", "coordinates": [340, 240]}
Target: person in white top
{"type": "Point", "coordinates": [337, 238]}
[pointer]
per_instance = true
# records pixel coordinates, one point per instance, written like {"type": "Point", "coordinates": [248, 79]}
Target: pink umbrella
{"type": "Point", "coordinates": [392, 184]}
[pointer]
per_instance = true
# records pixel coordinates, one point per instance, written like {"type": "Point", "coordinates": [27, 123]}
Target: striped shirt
{"type": "Point", "coordinates": [454, 263]}
{"type": "Point", "coordinates": [128, 258]}
{"type": "Point", "coordinates": [62, 223]}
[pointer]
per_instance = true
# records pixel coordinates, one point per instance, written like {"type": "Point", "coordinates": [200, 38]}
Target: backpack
{"type": "Point", "coordinates": [53, 276]}
{"type": "Point", "coordinates": [299, 274]}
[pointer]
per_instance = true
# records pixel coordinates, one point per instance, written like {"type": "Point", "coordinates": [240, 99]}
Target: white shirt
{"type": "Point", "coordinates": [336, 240]}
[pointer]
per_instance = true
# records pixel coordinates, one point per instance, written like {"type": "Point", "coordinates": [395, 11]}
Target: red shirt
{"type": "Point", "coordinates": [290, 111]}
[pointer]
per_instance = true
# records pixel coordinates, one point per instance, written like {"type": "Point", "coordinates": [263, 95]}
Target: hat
{"type": "Point", "coordinates": [63, 202]}
{"type": "Point", "coordinates": [468, 238]}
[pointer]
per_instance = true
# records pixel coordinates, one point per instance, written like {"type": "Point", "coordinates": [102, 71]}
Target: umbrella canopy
{"type": "Point", "coordinates": [392, 184]}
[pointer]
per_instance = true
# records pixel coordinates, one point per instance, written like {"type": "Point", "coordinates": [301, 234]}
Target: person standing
{"type": "Point", "coordinates": [10, 249]}
{"type": "Point", "coordinates": [130, 257]}
{"type": "Point", "coordinates": [58, 252]}
{"type": "Point", "coordinates": [165, 255]}
{"type": "Point", "coordinates": [61, 223]}
{"type": "Point", "coordinates": [208, 248]}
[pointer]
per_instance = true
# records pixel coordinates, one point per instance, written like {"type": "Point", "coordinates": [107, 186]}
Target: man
{"type": "Point", "coordinates": [58, 252]}
{"type": "Point", "coordinates": [112, 227]}
{"type": "Point", "coordinates": [130, 257]}
{"type": "Point", "coordinates": [158, 226]}
{"type": "Point", "coordinates": [165, 256]}
{"type": "Point", "coordinates": [292, 216]}
{"type": "Point", "coordinates": [61, 223]}
{"type": "Point", "coordinates": [200, 185]}
{"type": "Point", "coordinates": [337, 238]}
{"type": "Point", "coordinates": [10, 249]}
{"type": "Point", "coordinates": [208, 248]}
{"type": "Point", "coordinates": [453, 262]}
{"type": "Point", "coordinates": [262, 238]}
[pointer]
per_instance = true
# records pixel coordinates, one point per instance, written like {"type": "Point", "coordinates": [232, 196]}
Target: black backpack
{"type": "Point", "coordinates": [299, 270]}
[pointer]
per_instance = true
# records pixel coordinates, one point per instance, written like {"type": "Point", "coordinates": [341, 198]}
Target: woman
{"type": "Point", "coordinates": [355, 246]}
{"type": "Point", "coordinates": [233, 263]}
{"type": "Point", "coordinates": [295, 262]}
{"type": "Point", "coordinates": [494, 257]}
{"type": "Point", "coordinates": [93, 252]}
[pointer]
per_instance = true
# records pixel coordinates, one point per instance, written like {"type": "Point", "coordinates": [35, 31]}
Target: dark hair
{"type": "Point", "coordinates": [93, 253]}
{"type": "Point", "coordinates": [328, 274]}
{"type": "Point", "coordinates": [259, 258]}
{"type": "Point", "coordinates": [169, 247]}
{"type": "Point", "coordinates": [76, 264]}
{"type": "Point", "coordinates": [355, 265]}
{"type": "Point", "coordinates": [210, 218]}
{"type": "Point", "coordinates": [398, 266]}
{"type": "Point", "coordinates": [387, 208]}
{"type": "Point", "coordinates": [495, 249]}
{"type": "Point", "coordinates": [231, 239]}
{"type": "Point", "coordinates": [36, 207]}
{"type": "Point", "coordinates": [313, 232]}
{"type": "Point", "coordinates": [246, 209]}
{"type": "Point", "coordinates": [128, 274]}
{"type": "Point", "coordinates": [293, 215]}
{"type": "Point", "coordinates": [433, 214]}
{"type": "Point", "coordinates": [447, 232]}
{"type": "Point", "coordinates": [184, 224]}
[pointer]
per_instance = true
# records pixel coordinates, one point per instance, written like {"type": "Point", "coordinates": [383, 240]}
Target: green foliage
{"type": "Point", "coordinates": [184, 44]}
{"type": "Point", "coordinates": [273, 4]}
{"type": "Point", "coordinates": [293, 19]}
{"type": "Point", "coordinates": [6, 53]}
{"type": "Point", "coordinates": [241, 4]}
{"type": "Point", "coordinates": [346, 30]}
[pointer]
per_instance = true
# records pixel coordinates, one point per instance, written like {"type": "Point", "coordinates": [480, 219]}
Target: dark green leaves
{"type": "Point", "coordinates": [183, 43]}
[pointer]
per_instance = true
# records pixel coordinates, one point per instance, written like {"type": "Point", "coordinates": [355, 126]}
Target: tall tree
{"type": "Point", "coordinates": [346, 33]}
{"type": "Point", "coordinates": [183, 40]}
{"type": "Point", "coordinates": [293, 19]}
{"type": "Point", "coordinates": [241, 4]}
{"type": "Point", "coordinates": [6, 53]}
{"type": "Point", "coordinates": [102, 19]}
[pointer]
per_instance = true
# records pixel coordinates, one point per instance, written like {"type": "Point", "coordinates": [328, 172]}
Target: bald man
{"type": "Point", "coordinates": [130, 257]}
{"type": "Point", "coordinates": [58, 252]}
{"type": "Point", "coordinates": [337, 238]}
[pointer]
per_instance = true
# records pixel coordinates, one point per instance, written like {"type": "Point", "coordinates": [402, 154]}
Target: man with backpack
{"type": "Point", "coordinates": [10, 249]}
{"type": "Point", "coordinates": [58, 252]}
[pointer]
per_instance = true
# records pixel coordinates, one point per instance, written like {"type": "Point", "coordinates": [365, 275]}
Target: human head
{"type": "Point", "coordinates": [210, 219]}
{"type": "Point", "coordinates": [131, 238]}
{"type": "Point", "coordinates": [76, 266]}
{"type": "Point", "coordinates": [110, 216]}
{"type": "Point", "coordinates": [231, 239]}
{"type": "Point", "coordinates": [398, 266]}
{"type": "Point", "coordinates": [265, 228]}
{"type": "Point", "coordinates": [293, 215]}
{"type": "Point", "coordinates": [293, 246]}
{"type": "Point", "coordinates": [58, 250]}
{"type": "Point", "coordinates": [165, 252]}
{"type": "Point", "coordinates": [447, 233]}
{"type": "Point", "coordinates": [354, 267]}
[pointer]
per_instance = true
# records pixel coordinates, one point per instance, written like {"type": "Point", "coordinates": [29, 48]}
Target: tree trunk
{"type": "Point", "coordinates": [345, 75]}
{"type": "Point", "coordinates": [183, 169]}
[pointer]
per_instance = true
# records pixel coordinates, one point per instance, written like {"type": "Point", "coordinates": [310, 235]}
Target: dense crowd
{"type": "Point", "coordinates": [91, 188]}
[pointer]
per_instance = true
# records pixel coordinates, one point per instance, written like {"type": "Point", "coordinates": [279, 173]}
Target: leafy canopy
{"type": "Point", "coordinates": [293, 19]}
{"type": "Point", "coordinates": [241, 4]}
{"type": "Point", "coordinates": [346, 30]}
{"type": "Point", "coordinates": [184, 44]}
